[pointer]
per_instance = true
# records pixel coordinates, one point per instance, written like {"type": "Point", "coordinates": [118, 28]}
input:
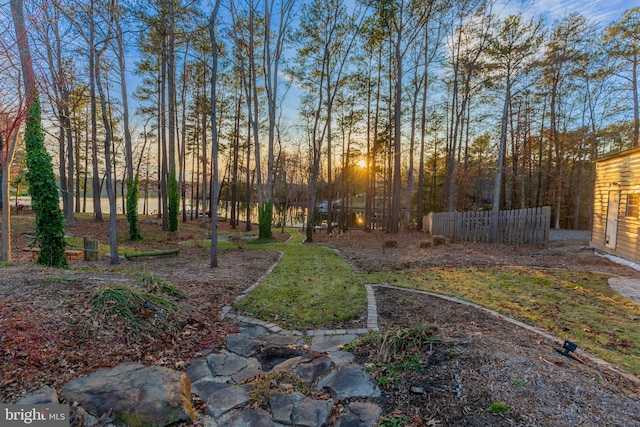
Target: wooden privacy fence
{"type": "Point", "coordinates": [520, 226]}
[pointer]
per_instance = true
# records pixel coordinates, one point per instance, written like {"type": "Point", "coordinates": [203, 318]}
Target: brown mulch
{"type": "Point", "coordinates": [50, 334]}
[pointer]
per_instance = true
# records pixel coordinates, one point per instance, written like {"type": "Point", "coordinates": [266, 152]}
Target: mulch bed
{"type": "Point", "coordinates": [50, 334]}
{"type": "Point", "coordinates": [478, 360]}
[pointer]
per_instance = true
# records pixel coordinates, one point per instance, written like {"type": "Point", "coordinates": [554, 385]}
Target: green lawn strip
{"type": "Point", "coordinates": [574, 305]}
{"type": "Point", "coordinates": [311, 287]}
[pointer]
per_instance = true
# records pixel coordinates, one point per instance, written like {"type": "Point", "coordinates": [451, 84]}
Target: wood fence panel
{"type": "Point", "coordinates": [520, 226]}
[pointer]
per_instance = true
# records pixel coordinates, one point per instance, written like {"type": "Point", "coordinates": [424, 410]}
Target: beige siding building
{"type": "Point", "coordinates": [616, 220]}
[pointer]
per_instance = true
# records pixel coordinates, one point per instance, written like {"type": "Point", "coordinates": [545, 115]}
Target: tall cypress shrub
{"type": "Point", "coordinates": [174, 201]}
{"type": "Point", "coordinates": [133, 192]}
{"type": "Point", "coordinates": [44, 193]}
{"type": "Point", "coordinates": [264, 221]}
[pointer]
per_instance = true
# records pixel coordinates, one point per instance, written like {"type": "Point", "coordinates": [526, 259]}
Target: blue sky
{"type": "Point", "coordinates": [600, 11]}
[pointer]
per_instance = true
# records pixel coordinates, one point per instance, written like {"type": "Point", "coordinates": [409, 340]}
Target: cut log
{"type": "Point", "coordinates": [131, 255]}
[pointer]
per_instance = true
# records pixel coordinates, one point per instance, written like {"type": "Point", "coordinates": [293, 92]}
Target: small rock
{"type": "Point", "coordinates": [226, 397]}
{"type": "Point", "coordinates": [341, 357]}
{"type": "Point", "coordinates": [226, 364]}
{"type": "Point", "coordinates": [417, 390]}
{"type": "Point", "coordinates": [253, 331]}
{"type": "Point", "coordinates": [79, 417]}
{"type": "Point", "coordinates": [205, 387]}
{"type": "Point", "coordinates": [330, 342]}
{"type": "Point", "coordinates": [198, 370]}
{"type": "Point", "coordinates": [246, 418]}
{"type": "Point", "coordinates": [249, 372]}
{"type": "Point", "coordinates": [242, 346]}
{"type": "Point", "coordinates": [282, 340]}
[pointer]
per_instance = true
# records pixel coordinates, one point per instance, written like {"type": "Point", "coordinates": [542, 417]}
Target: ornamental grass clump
{"type": "Point", "coordinates": [146, 307]}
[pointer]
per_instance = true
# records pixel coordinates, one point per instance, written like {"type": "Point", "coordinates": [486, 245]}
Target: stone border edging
{"type": "Point", "coordinates": [372, 309]}
{"type": "Point", "coordinates": [227, 308]}
{"type": "Point", "coordinates": [602, 364]}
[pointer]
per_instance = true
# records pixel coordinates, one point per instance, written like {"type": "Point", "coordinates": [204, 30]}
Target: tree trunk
{"type": "Point", "coordinates": [636, 107]}
{"type": "Point", "coordinates": [171, 92]}
{"type": "Point", "coordinates": [5, 243]}
{"type": "Point", "coordinates": [97, 207]}
{"type": "Point", "coordinates": [501, 150]}
{"type": "Point", "coordinates": [214, 132]}
{"type": "Point", "coordinates": [113, 232]}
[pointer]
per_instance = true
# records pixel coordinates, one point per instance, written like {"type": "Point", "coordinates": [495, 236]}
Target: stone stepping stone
{"type": "Point", "coordinates": [205, 387]}
{"type": "Point", "coordinates": [359, 414]}
{"type": "Point", "coordinates": [341, 357]}
{"type": "Point", "coordinates": [229, 367]}
{"type": "Point", "coordinates": [298, 410]}
{"type": "Point", "coordinates": [252, 331]}
{"type": "Point", "coordinates": [242, 345]}
{"type": "Point", "coordinates": [282, 341]}
{"type": "Point", "coordinates": [225, 398]}
{"type": "Point", "coordinates": [42, 396]}
{"type": "Point", "coordinates": [246, 418]}
{"type": "Point", "coordinates": [198, 370]}
{"type": "Point", "coordinates": [330, 342]}
{"type": "Point", "coordinates": [309, 367]}
{"type": "Point", "coordinates": [349, 381]}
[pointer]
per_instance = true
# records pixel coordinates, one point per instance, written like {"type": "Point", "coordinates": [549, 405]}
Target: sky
{"type": "Point", "coordinates": [600, 11]}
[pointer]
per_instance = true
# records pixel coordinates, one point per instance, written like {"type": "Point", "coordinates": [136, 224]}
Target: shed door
{"type": "Point", "coordinates": [612, 219]}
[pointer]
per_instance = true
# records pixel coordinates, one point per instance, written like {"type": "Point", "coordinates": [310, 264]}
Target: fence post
{"type": "Point", "coordinates": [452, 230]}
{"type": "Point", "coordinates": [91, 249]}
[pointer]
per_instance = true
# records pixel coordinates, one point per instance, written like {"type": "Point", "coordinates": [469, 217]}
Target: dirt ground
{"type": "Point", "coordinates": [478, 359]}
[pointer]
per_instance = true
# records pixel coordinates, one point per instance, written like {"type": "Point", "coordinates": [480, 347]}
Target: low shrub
{"type": "Point", "coordinates": [390, 244]}
{"type": "Point", "coordinates": [497, 408]}
{"type": "Point", "coordinates": [439, 240]}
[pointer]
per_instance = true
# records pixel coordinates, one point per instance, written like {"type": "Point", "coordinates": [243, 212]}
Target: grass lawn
{"type": "Point", "coordinates": [311, 287]}
{"type": "Point", "coordinates": [314, 287]}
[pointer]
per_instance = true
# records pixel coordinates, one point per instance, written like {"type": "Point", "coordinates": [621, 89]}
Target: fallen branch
{"type": "Point", "coordinates": [131, 255]}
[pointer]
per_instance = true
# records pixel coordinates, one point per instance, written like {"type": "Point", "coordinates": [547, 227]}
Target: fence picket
{"type": "Point", "coordinates": [519, 226]}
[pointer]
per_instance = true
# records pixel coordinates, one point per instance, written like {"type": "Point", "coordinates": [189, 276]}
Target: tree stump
{"type": "Point", "coordinates": [91, 249]}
